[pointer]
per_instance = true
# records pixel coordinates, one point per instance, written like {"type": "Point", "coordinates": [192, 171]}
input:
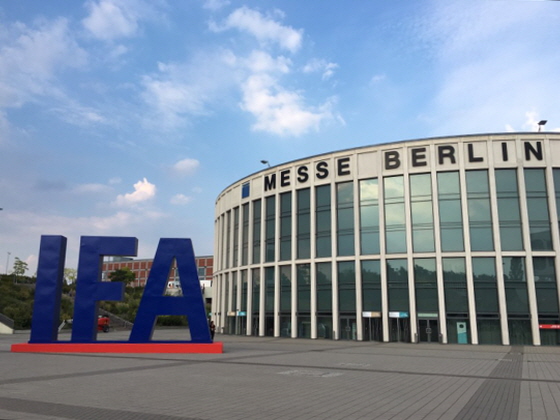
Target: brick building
{"type": "Point", "coordinates": [141, 269]}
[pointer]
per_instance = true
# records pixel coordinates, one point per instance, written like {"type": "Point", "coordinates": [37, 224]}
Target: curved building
{"type": "Point", "coordinates": [450, 240]}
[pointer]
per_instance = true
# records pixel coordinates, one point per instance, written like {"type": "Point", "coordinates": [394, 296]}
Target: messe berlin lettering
{"type": "Point", "coordinates": [418, 157]}
{"type": "Point", "coordinates": [90, 289]}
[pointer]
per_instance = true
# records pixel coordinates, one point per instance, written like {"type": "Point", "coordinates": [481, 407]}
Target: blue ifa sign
{"type": "Point", "coordinates": [90, 289]}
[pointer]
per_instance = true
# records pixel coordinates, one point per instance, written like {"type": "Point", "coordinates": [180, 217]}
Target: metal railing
{"type": "Point", "coordinates": [7, 321]}
{"type": "Point", "coordinates": [116, 321]}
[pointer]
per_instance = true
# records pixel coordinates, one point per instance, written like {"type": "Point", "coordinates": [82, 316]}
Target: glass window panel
{"type": "Point", "coordinates": [421, 186]}
{"type": "Point", "coordinates": [303, 224]}
{"type": "Point", "coordinates": [285, 289]}
{"type": "Point", "coordinates": [480, 218]}
{"type": "Point", "coordinates": [256, 279]}
{"type": "Point", "coordinates": [235, 288]}
{"type": "Point", "coordinates": [516, 285]}
{"type": "Point", "coordinates": [324, 287]}
{"type": "Point", "coordinates": [397, 281]}
{"type": "Point", "coordinates": [227, 242]}
{"type": "Point", "coordinates": [244, 291]}
{"type": "Point", "coordinates": [393, 187]}
{"type": "Point", "coordinates": [369, 216]}
{"type": "Point", "coordinates": [545, 285]}
{"type": "Point", "coordinates": [323, 221]}
{"type": "Point", "coordinates": [477, 182]}
{"type": "Point", "coordinates": [556, 174]}
{"type": "Point", "coordinates": [395, 228]}
{"type": "Point", "coordinates": [286, 226]}
{"type": "Point", "coordinates": [485, 285]}
{"type": "Point", "coordinates": [235, 236]}
{"type": "Point", "coordinates": [455, 285]}
{"type": "Point", "coordinates": [371, 285]}
{"type": "Point", "coordinates": [256, 231]}
{"type": "Point", "coordinates": [269, 289]}
{"type": "Point", "coordinates": [509, 214]}
{"type": "Point", "coordinates": [347, 286]}
{"type": "Point", "coordinates": [303, 287]}
{"type": "Point", "coordinates": [537, 206]}
{"type": "Point", "coordinates": [425, 279]}
{"type": "Point", "coordinates": [423, 240]}
{"type": "Point", "coordinates": [422, 213]}
{"type": "Point", "coordinates": [345, 218]}
{"type": "Point", "coordinates": [270, 232]}
{"type": "Point", "coordinates": [450, 211]}
{"type": "Point", "coordinates": [245, 235]}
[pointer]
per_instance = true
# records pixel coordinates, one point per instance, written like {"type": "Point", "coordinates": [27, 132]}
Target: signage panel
{"type": "Point", "coordinates": [398, 314]}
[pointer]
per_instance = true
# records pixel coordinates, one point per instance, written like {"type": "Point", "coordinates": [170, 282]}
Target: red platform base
{"type": "Point", "coordinates": [100, 347]}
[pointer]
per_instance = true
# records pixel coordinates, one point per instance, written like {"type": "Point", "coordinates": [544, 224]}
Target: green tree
{"type": "Point", "coordinates": [70, 275]}
{"type": "Point", "coordinates": [20, 267]}
{"type": "Point", "coordinates": [122, 274]}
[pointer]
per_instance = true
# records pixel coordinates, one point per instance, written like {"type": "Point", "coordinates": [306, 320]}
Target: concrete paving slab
{"type": "Point", "coordinates": [283, 378]}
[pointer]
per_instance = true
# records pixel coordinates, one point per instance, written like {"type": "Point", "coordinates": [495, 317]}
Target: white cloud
{"type": "Point", "coordinates": [263, 28]}
{"type": "Point", "coordinates": [30, 227]}
{"type": "Point", "coordinates": [143, 191]}
{"type": "Point", "coordinates": [109, 20]}
{"type": "Point", "coordinates": [326, 68]}
{"type": "Point", "coordinates": [29, 62]}
{"type": "Point", "coordinates": [477, 88]}
{"type": "Point", "coordinates": [173, 100]}
{"type": "Point", "coordinates": [178, 92]}
{"type": "Point", "coordinates": [186, 166]}
{"type": "Point", "coordinates": [180, 199]}
{"type": "Point", "coordinates": [280, 111]}
{"type": "Point", "coordinates": [261, 61]}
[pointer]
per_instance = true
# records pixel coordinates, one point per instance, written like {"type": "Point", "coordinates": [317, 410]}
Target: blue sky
{"type": "Point", "coordinates": [129, 117]}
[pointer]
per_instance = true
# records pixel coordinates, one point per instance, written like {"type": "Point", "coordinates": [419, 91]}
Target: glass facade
{"type": "Point", "coordinates": [345, 218]}
{"type": "Point", "coordinates": [323, 221]}
{"type": "Point", "coordinates": [395, 224]}
{"type": "Point", "coordinates": [480, 215]}
{"type": "Point", "coordinates": [537, 205]}
{"type": "Point", "coordinates": [369, 217]}
{"type": "Point", "coordinates": [422, 213]}
{"type": "Point", "coordinates": [439, 241]}
{"type": "Point", "coordinates": [507, 193]}
{"type": "Point", "coordinates": [450, 211]}
{"type": "Point", "coordinates": [303, 235]}
{"type": "Point", "coordinates": [286, 226]}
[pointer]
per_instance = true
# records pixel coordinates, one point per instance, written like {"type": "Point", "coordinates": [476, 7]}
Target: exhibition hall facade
{"type": "Point", "coordinates": [449, 240]}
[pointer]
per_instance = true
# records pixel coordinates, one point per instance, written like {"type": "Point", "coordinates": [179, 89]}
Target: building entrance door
{"type": "Point", "coordinates": [428, 330]}
{"type": "Point", "coordinates": [373, 329]}
{"type": "Point", "coordinates": [255, 327]}
{"type": "Point", "coordinates": [230, 325]}
{"type": "Point", "coordinates": [347, 328]}
{"type": "Point", "coordinates": [400, 329]}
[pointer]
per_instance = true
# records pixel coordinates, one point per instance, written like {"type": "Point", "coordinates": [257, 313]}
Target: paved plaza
{"type": "Point", "coordinates": [280, 378]}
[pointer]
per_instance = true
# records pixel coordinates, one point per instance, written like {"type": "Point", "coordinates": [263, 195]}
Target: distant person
{"type": "Point", "coordinates": [103, 323]}
{"type": "Point", "coordinates": [212, 329]}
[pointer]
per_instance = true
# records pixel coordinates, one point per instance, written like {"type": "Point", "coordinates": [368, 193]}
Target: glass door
{"type": "Point", "coordinates": [428, 330]}
{"type": "Point", "coordinates": [399, 330]}
{"type": "Point", "coordinates": [348, 328]}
